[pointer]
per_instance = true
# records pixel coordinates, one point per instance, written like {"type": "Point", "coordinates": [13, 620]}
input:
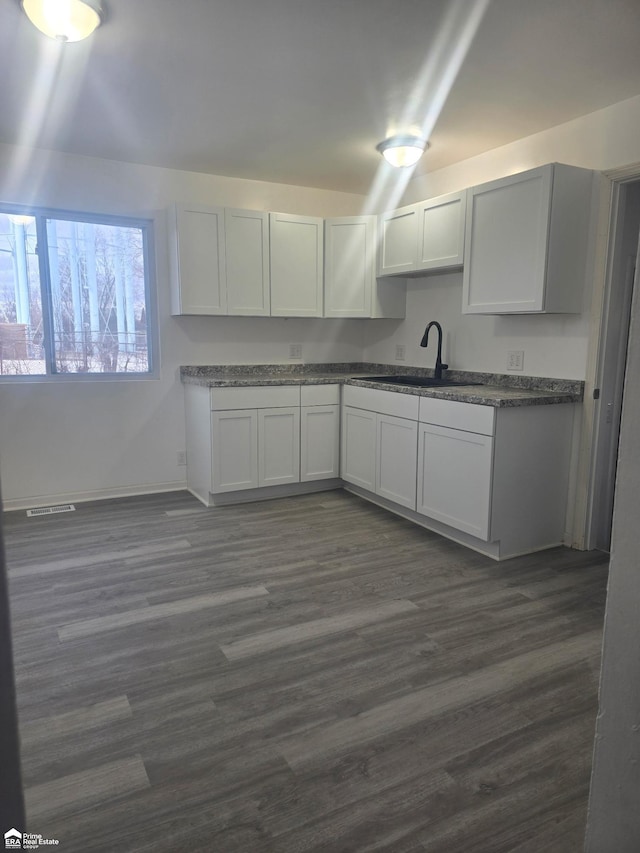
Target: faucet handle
{"type": "Point", "coordinates": [444, 366]}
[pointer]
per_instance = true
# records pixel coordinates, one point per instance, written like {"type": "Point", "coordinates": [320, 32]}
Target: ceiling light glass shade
{"type": "Point", "coordinates": [402, 150]}
{"type": "Point", "coordinates": [63, 20]}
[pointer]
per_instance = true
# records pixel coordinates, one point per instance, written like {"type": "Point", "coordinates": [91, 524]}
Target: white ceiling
{"type": "Point", "coordinates": [300, 92]}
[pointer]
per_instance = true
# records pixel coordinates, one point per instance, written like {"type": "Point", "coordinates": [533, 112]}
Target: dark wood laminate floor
{"type": "Point", "coordinates": [308, 674]}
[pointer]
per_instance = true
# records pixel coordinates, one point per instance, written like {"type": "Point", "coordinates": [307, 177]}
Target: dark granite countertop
{"type": "Point", "coordinates": [496, 389]}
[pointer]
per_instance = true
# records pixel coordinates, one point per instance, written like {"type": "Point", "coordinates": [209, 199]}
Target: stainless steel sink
{"type": "Point", "coordinates": [416, 381]}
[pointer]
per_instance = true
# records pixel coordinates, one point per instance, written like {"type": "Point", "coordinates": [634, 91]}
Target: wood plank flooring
{"type": "Point", "coordinates": [307, 674]}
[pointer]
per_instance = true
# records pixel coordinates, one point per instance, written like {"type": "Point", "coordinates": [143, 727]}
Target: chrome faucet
{"type": "Point", "coordinates": [423, 343]}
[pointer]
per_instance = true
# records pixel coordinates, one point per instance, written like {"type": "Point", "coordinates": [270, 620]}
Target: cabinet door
{"type": "Point", "coordinates": [441, 232]}
{"type": "Point", "coordinates": [296, 265]}
{"type": "Point", "coordinates": [197, 260]}
{"type": "Point", "coordinates": [397, 450]}
{"type": "Point", "coordinates": [454, 478]}
{"type": "Point", "coordinates": [398, 250]}
{"type": "Point", "coordinates": [319, 442]}
{"type": "Point", "coordinates": [234, 437]}
{"type": "Point", "coordinates": [349, 266]}
{"type": "Point", "coordinates": [358, 447]}
{"type": "Point", "coordinates": [247, 258]}
{"type": "Point", "coordinates": [506, 244]}
{"type": "Point", "coordinates": [278, 446]}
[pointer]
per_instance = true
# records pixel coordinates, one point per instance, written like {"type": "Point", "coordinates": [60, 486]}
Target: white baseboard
{"type": "Point", "coordinates": [35, 501]}
{"type": "Point", "coordinates": [266, 493]}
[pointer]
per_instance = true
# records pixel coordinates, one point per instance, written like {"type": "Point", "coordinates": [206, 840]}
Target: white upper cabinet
{"type": "Point", "coordinates": [349, 274]}
{"type": "Point", "coordinates": [350, 285]}
{"type": "Point", "coordinates": [526, 242]}
{"type": "Point", "coordinates": [296, 244]}
{"type": "Point", "coordinates": [197, 257]}
{"type": "Point", "coordinates": [219, 260]}
{"type": "Point", "coordinates": [398, 249]}
{"type": "Point", "coordinates": [441, 231]}
{"type": "Point", "coordinates": [247, 260]}
{"type": "Point", "coordinates": [423, 237]}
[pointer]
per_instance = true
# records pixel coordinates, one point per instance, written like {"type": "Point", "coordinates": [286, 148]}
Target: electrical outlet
{"type": "Point", "coordinates": [515, 359]}
{"type": "Point", "coordinates": [182, 457]}
{"type": "Point", "coordinates": [295, 350]}
{"type": "Point", "coordinates": [401, 352]}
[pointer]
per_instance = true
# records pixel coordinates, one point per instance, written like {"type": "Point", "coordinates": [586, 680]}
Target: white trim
{"type": "Point", "coordinates": [93, 495]}
{"type": "Point", "coordinates": [578, 519]}
{"type": "Point", "coordinates": [605, 241]}
{"type": "Point", "coordinates": [624, 173]}
{"type": "Point", "coordinates": [267, 493]}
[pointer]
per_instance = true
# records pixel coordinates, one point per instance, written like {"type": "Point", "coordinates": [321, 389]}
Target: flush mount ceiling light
{"type": "Point", "coordinates": [402, 150]}
{"type": "Point", "coordinates": [64, 20]}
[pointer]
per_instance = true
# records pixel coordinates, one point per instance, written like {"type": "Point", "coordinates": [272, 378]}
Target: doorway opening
{"type": "Point", "coordinates": [622, 277]}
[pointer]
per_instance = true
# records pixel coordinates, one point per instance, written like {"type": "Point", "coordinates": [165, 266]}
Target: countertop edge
{"type": "Point", "coordinates": [498, 395]}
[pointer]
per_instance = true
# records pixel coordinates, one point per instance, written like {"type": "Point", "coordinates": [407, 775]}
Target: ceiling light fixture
{"type": "Point", "coordinates": [402, 150]}
{"type": "Point", "coordinates": [64, 20]}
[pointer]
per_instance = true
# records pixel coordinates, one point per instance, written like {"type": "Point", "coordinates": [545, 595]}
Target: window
{"type": "Point", "coordinates": [74, 295]}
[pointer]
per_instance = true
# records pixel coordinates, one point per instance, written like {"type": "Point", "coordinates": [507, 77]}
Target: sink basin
{"type": "Point", "coordinates": [416, 381]}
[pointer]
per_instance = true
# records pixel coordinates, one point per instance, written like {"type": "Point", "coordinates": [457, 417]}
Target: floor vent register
{"type": "Point", "coordinates": [50, 510]}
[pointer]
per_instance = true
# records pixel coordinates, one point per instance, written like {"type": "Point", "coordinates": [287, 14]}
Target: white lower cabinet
{"type": "Point", "coordinates": [497, 475]}
{"type": "Point", "coordinates": [358, 457]}
{"type": "Point", "coordinates": [454, 478]}
{"type": "Point", "coordinates": [495, 479]}
{"type": "Point", "coordinates": [319, 442]}
{"type": "Point", "coordinates": [396, 460]}
{"type": "Point", "coordinates": [379, 444]}
{"type": "Point", "coordinates": [278, 446]}
{"type": "Point", "coordinates": [242, 438]}
{"type": "Point", "coordinates": [234, 438]}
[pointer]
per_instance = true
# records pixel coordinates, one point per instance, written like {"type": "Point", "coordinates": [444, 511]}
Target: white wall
{"type": "Point", "coordinates": [67, 440]}
{"type": "Point", "coordinates": [604, 140]}
{"type": "Point", "coordinates": [554, 346]}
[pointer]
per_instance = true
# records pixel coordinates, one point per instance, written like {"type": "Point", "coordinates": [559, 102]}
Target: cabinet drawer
{"type": "Point", "coordinates": [384, 402]}
{"type": "Point", "coordinates": [319, 395]}
{"type": "Point", "coordinates": [255, 397]}
{"type": "Point", "coordinates": [451, 413]}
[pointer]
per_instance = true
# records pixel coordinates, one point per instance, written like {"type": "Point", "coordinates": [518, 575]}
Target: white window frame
{"type": "Point", "coordinates": [146, 225]}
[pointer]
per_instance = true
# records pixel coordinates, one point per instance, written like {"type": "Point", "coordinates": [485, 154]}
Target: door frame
{"type": "Point", "coordinates": [583, 526]}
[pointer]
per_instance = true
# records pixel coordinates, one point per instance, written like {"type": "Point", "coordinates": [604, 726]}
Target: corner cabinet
{"type": "Point", "coordinates": [296, 245]}
{"type": "Point", "coordinates": [219, 261]}
{"type": "Point", "coordinates": [423, 237]}
{"type": "Point", "coordinates": [379, 443]}
{"type": "Point", "coordinates": [350, 285]}
{"type": "Point", "coordinates": [398, 249]}
{"type": "Point", "coordinates": [441, 224]}
{"type": "Point", "coordinates": [319, 432]}
{"type": "Point", "coordinates": [249, 443]}
{"type": "Point", "coordinates": [526, 242]}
